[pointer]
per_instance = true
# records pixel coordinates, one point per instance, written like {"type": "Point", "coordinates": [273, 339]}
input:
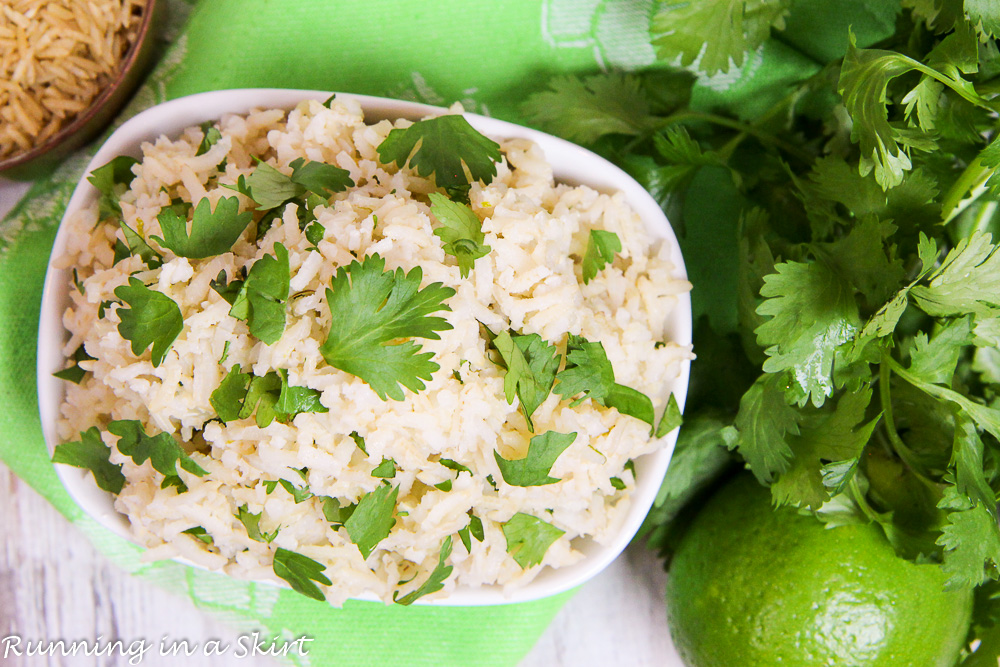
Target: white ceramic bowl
{"type": "Point", "coordinates": [571, 163]}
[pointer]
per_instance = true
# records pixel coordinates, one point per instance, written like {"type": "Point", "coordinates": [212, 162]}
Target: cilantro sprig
{"type": "Point", "coordinates": [371, 310]}
{"type": "Point", "coordinates": [443, 147]}
{"type": "Point", "coordinates": [533, 469]}
{"type": "Point", "coordinates": [267, 397]}
{"type": "Point", "coordinates": [301, 572]}
{"type": "Point", "coordinates": [841, 232]}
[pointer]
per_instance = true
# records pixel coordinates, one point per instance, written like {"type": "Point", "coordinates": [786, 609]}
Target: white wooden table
{"type": "Point", "coordinates": [55, 585]}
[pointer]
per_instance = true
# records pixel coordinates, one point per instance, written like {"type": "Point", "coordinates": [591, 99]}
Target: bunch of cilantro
{"type": "Point", "coordinates": [831, 171]}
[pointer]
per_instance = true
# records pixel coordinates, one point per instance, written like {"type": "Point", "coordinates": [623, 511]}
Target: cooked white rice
{"type": "Point", "coordinates": [530, 281]}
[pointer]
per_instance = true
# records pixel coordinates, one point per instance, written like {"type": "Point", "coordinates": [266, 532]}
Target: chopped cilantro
{"type": "Point", "coordinates": [435, 581]}
{"type": "Point", "coordinates": [528, 538]}
{"type": "Point", "coordinates": [444, 147]}
{"type": "Point", "coordinates": [531, 370]}
{"type": "Point", "coordinates": [161, 450]}
{"type": "Point", "coordinates": [240, 395]}
{"type": "Point", "coordinates": [199, 533]}
{"type": "Point", "coordinates": [90, 453]}
{"type": "Point", "coordinates": [210, 136]}
{"type": "Point", "coordinates": [533, 469]}
{"type": "Point", "coordinates": [335, 513]}
{"type": "Point", "coordinates": [212, 232]}
{"type": "Point", "coordinates": [74, 373]}
{"type": "Point", "coordinates": [371, 309]}
{"type": "Point", "coordinates": [372, 519]}
{"type": "Point", "coordinates": [386, 469]}
{"type": "Point", "coordinates": [300, 572]}
{"type": "Point", "coordinates": [270, 188]}
{"type": "Point", "coordinates": [111, 180]}
{"type": "Point", "coordinates": [461, 231]}
{"type": "Point", "coordinates": [251, 522]}
{"type": "Point", "coordinates": [601, 248]}
{"type": "Point", "coordinates": [152, 319]}
{"type": "Point", "coordinates": [261, 299]}
{"type": "Point", "coordinates": [138, 246]}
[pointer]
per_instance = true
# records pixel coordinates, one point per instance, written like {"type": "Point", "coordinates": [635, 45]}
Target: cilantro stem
{"type": "Point", "coordinates": [885, 397]}
{"type": "Point", "coordinates": [859, 498]}
{"type": "Point", "coordinates": [689, 115]}
{"type": "Point", "coordinates": [969, 186]}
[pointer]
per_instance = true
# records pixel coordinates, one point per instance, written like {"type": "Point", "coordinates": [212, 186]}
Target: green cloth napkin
{"type": "Point", "coordinates": [484, 53]}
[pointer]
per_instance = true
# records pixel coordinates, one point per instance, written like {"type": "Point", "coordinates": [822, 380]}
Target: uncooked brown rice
{"type": "Point", "coordinates": [55, 58]}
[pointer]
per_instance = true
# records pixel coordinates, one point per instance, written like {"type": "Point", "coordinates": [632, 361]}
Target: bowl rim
{"type": "Point", "coordinates": [84, 117]}
{"type": "Point", "coordinates": [571, 164]}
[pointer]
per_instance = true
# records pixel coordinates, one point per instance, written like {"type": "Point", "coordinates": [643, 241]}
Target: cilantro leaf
{"type": "Point", "coordinates": [335, 513]}
{"type": "Point", "coordinates": [229, 291]}
{"type": "Point", "coordinates": [864, 78]}
{"type": "Point", "coordinates": [601, 248]}
{"type": "Point", "coordinates": [461, 231]}
{"type": "Point", "coordinates": [528, 538]}
{"type": "Point", "coordinates": [300, 572]}
{"type": "Point", "coordinates": [261, 299]}
{"type": "Point", "coordinates": [435, 581]}
{"type": "Point", "coordinates": [585, 109]}
{"type": "Point", "coordinates": [240, 394]}
{"type": "Point", "coordinates": [138, 246]}
{"type": "Point", "coordinates": [670, 419]}
{"type": "Point", "coordinates": [111, 180]}
{"type": "Point", "coordinates": [533, 469]}
{"type": "Point", "coordinates": [162, 450]}
{"type": "Point", "coordinates": [966, 282]}
{"type": "Point", "coordinates": [294, 400]}
{"type": "Point", "coordinates": [386, 469]}
{"type": "Point", "coordinates": [320, 178]}
{"type": "Point", "coordinates": [935, 359]}
{"type": "Point", "coordinates": [210, 136]}
{"type": "Point", "coordinates": [762, 426]}
{"type": "Point", "coordinates": [531, 370]}
{"type": "Point", "coordinates": [152, 319]}
{"type": "Point", "coordinates": [827, 435]}
{"type": "Point", "coordinates": [271, 188]}
{"type": "Point", "coordinates": [811, 312]}
{"type": "Point", "coordinates": [370, 309]}
{"type": "Point", "coordinates": [74, 373]}
{"type": "Point", "coordinates": [372, 519]}
{"type": "Point", "coordinates": [443, 146]}
{"type": "Point", "coordinates": [714, 34]}
{"type": "Point", "coordinates": [90, 453]}
{"type": "Point", "coordinates": [212, 232]}
{"type": "Point", "coordinates": [199, 533]}
{"type": "Point", "coordinates": [588, 371]}
{"type": "Point", "coordinates": [251, 522]}
{"type": "Point", "coordinates": [970, 539]}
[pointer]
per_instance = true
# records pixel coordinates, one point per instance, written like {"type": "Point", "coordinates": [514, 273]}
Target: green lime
{"type": "Point", "coordinates": [750, 585]}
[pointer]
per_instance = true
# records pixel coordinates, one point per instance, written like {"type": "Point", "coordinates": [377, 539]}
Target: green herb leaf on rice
{"type": "Point", "coordinates": [371, 310]}
{"type": "Point", "coordinates": [161, 450]}
{"type": "Point", "coordinates": [90, 453]}
{"type": "Point", "coordinates": [528, 538]}
{"type": "Point", "coordinates": [601, 248]}
{"type": "Point", "coordinates": [531, 370]}
{"type": "Point", "coordinates": [138, 246]}
{"type": "Point", "coordinates": [533, 469]}
{"type": "Point", "coordinates": [111, 180]}
{"type": "Point", "coordinates": [461, 231]}
{"type": "Point", "coordinates": [434, 582]}
{"type": "Point", "coordinates": [153, 319]}
{"type": "Point", "coordinates": [261, 299]}
{"type": "Point", "coordinates": [301, 572]}
{"type": "Point", "coordinates": [443, 147]}
{"type": "Point", "coordinates": [74, 373]}
{"type": "Point", "coordinates": [212, 232]}
{"type": "Point", "coordinates": [372, 519]}
{"type": "Point", "coordinates": [251, 522]}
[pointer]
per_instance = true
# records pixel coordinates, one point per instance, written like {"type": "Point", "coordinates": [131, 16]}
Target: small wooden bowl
{"type": "Point", "coordinates": [44, 157]}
